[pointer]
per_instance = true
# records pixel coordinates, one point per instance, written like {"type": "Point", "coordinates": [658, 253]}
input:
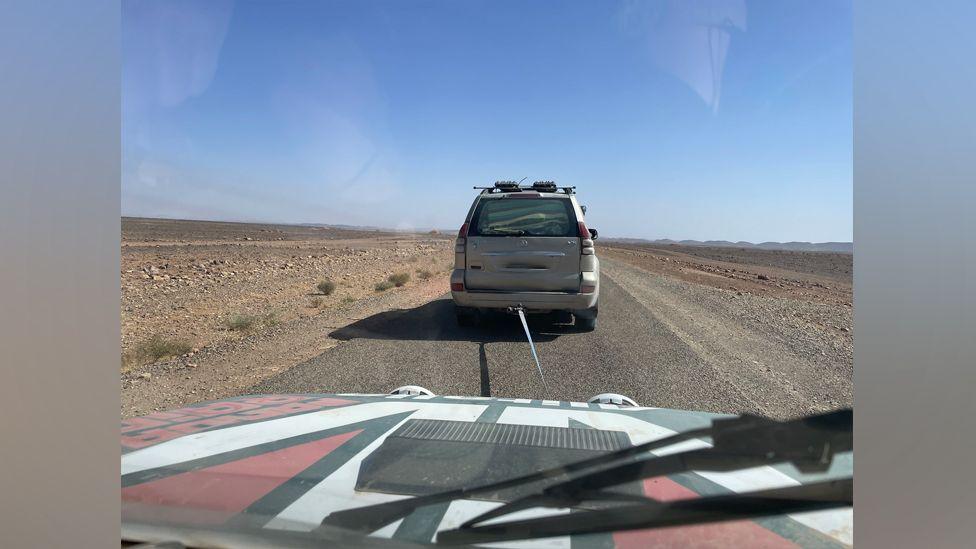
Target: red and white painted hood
{"type": "Point", "coordinates": [285, 462]}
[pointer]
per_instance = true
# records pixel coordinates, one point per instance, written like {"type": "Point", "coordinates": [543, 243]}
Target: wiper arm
{"type": "Point", "coordinates": [513, 232]}
{"type": "Point", "coordinates": [373, 517]}
{"type": "Point", "coordinates": [744, 434]}
{"type": "Point", "coordinates": [653, 514]}
{"type": "Point", "coordinates": [808, 443]}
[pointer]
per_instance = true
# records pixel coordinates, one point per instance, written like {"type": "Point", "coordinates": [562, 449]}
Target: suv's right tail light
{"type": "Point", "coordinates": [586, 240]}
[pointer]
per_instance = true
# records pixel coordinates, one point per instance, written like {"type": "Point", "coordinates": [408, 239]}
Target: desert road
{"type": "Point", "coordinates": [662, 341]}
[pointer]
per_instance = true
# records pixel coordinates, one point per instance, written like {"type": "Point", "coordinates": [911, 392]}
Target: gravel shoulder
{"type": "Point", "coordinates": [782, 355]}
{"type": "Point", "coordinates": [230, 367]}
{"type": "Point", "coordinates": [185, 283]}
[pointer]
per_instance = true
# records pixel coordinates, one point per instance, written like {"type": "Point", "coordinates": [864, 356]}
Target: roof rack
{"type": "Point", "coordinates": [514, 187]}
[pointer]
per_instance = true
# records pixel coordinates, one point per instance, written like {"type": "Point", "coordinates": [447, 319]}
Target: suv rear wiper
{"type": "Point", "coordinates": [506, 232]}
{"type": "Point", "coordinates": [743, 441]}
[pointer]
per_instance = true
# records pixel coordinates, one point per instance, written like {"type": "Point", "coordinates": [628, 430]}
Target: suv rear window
{"type": "Point", "coordinates": [524, 217]}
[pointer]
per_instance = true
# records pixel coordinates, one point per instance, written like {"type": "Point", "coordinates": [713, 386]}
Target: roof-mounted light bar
{"type": "Point", "coordinates": [514, 187]}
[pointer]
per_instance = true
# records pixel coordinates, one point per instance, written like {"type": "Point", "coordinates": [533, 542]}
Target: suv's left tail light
{"type": "Point", "coordinates": [462, 239]}
{"type": "Point", "coordinates": [586, 239]}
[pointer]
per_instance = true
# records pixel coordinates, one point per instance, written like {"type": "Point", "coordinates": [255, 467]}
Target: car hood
{"type": "Point", "coordinates": [285, 462]}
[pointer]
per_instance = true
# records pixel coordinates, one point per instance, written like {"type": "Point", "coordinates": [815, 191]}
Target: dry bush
{"type": "Point", "coordinates": [424, 274]}
{"type": "Point", "coordinates": [326, 287]}
{"type": "Point", "coordinates": [240, 323]}
{"type": "Point", "coordinates": [155, 349]}
{"type": "Point", "coordinates": [398, 279]}
{"type": "Point", "coordinates": [383, 286]}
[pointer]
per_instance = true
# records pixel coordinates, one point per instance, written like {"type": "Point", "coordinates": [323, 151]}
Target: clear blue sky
{"type": "Point", "coordinates": [679, 119]}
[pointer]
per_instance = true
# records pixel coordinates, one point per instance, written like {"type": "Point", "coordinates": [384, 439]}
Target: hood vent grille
{"type": "Point", "coordinates": [521, 435]}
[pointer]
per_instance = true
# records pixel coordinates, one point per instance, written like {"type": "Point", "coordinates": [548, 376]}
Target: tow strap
{"type": "Point", "coordinates": [525, 326]}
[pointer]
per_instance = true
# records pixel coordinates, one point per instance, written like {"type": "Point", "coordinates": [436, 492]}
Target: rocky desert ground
{"type": "Point", "coordinates": [211, 310]}
{"type": "Point", "coordinates": [208, 307]}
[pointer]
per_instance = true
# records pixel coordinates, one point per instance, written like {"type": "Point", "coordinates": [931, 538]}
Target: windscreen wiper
{"type": "Point", "coordinates": [745, 436]}
{"type": "Point", "coordinates": [373, 517]}
{"type": "Point", "coordinates": [808, 443]}
{"type": "Point", "coordinates": [653, 514]}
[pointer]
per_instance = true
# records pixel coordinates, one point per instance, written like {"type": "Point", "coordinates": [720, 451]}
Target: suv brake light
{"type": "Point", "coordinates": [586, 240]}
{"type": "Point", "coordinates": [461, 239]}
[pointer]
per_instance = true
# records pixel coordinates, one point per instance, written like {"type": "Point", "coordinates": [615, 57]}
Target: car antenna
{"type": "Point", "coordinates": [523, 179]}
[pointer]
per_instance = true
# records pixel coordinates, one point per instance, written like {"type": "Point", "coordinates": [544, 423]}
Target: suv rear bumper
{"type": "Point", "coordinates": [532, 301]}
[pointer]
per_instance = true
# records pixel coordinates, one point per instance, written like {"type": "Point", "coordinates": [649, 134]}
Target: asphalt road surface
{"type": "Point", "coordinates": [660, 341]}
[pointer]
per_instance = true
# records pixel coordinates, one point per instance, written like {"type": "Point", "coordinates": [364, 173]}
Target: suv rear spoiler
{"type": "Point", "coordinates": [514, 187]}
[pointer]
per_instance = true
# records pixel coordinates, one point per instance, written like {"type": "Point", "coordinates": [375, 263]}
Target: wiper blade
{"type": "Point", "coordinates": [744, 435]}
{"type": "Point", "coordinates": [653, 514]}
{"type": "Point", "coordinates": [808, 443]}
{"type": "Point", "coordinates": [374, 517]}
{"type": "Point", "coordinates": [513, 232]}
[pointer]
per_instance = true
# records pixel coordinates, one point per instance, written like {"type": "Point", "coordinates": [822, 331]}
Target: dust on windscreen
{"type": "Point", "coordinates": [304, 168]}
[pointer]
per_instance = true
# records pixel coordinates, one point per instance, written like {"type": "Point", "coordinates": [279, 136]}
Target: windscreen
{"type": "Point", "coordinates": [524, 217]}
{"type": "Point", "coordinates": [535, 215]}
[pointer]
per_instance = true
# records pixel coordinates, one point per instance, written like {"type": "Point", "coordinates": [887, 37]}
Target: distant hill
{"type": "Point", "coordinates": [842, 247]}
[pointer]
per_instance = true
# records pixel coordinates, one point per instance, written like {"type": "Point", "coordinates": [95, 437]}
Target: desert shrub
{"type": "Point", "coordinates": [271, 319]}
{"type": "Point", "coordinates": [383, 286]}
{"type": "Point", "coordinates": [158, 347]}
{"type": "Point", "coordinates": [326, 287]}
{"type": "Point", "coordinates": [240, 323]}
{"type": "Point", "coordinates": [349, 299]}
{"type": "Point", "coordinates": [315, 303]}
{"type": "Point", "coordinates": [424, 274]}
{"type": "Point", "coordinates": [398, 279]}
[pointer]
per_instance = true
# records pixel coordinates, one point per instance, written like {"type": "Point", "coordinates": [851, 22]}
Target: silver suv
{"type": "Point", "coordinates": [526, 247]}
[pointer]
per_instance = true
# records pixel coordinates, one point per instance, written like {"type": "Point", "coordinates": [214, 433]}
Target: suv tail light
{"type": "Point", "coordinates": [586, 240]}
{"type": "Point", "coordinates": [584, 233]}
{"type": "Point", "coordinates": [461, 239]}
{"type": "Point", "coordinates": [457, 286]}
